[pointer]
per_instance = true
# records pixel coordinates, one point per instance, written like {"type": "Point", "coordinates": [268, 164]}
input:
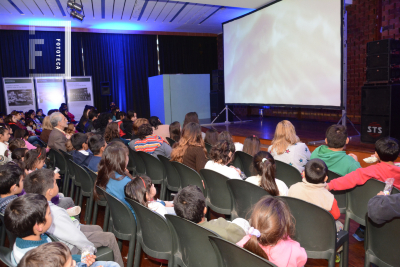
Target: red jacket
{"type": "Point", "coordinates": [380, 171]}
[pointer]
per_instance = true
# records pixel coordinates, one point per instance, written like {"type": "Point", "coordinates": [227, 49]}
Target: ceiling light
{"type": "Point", "coordinates": [71, 4]}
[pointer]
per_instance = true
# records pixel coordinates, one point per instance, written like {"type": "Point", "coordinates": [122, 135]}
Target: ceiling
{"type": "Point", "coordinates": [199, 16]}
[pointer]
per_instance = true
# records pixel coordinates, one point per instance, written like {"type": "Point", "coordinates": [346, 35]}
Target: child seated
{"type": "Point", "coordinates": [97, 144]}
{"type": "Point", "coordinates": [312, 188]}
{"type": "Point", "coordinates": [333, 153]}
{"type": "Point", "coordinates": [190, 204]}
{"type": "Point", "coordinates": [142, 190]}
{"type": "Point", "coordinates": [270, 235]}
{"type": "Point", "coordinates": [11, 184]}
{"type": "Point", "coordinates": [80, 155]}
{"type": "Point", "coordinates": [75, 235]}
{"type": "Point", "coordinates": [5, 154]}
{"type": "Point", "coordinates": [29, 217]}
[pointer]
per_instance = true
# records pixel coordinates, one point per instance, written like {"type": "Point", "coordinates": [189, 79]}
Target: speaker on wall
{"type": "Point", "coordinates": [105, 88]}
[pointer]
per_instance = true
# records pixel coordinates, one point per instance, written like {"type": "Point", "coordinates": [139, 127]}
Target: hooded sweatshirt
{"type": "Point", "coordinates": [336, 161]}
{"type": "Point", "coordinates": [81, 157]}
{"type": "Point", "coordinates": [287, 253]}
{"type": "Point", "coordinates": [380, 171]}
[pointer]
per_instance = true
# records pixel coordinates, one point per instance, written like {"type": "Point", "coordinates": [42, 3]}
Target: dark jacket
{"type": "Point", "coordinates": [384, 208]}
{"type": "Point", "coordinates": [88, 127]}
{"type": "Point", "coordinates": [81, 159]}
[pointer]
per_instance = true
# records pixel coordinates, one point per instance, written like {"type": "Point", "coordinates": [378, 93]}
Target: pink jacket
{"type": "Point", "coordinates": [29, 146]}
{"type": "Point", "coordinates": [287, 253]}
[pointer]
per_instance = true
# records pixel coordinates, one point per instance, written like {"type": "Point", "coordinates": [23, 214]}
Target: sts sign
{"type": "Point", "coordinates": [374, 129]}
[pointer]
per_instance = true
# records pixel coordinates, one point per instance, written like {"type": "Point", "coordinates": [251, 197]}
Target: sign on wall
{"type": "Point", "coordinates": [79, 94]}
{"type": "Point", "coordinates": [19, 94]}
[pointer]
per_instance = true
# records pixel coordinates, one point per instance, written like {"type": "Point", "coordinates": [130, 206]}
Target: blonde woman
{"type": "Point", "coordinates": [286, 146]}
{"type": "Point", "coordinates": [47, 128]}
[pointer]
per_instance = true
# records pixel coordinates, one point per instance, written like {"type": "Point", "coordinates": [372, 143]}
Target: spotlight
{"type": "Point", "coordinates": [76, 15]}
{"type": "Point", "coordinates": [71, 4]}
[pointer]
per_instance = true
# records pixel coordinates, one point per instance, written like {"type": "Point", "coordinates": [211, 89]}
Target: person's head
{"type": "Point", "coordinates": [128, 126]}
{"type": "Point", "coordinates": [53, 254]}
{"type": "Point", "coordinates": [63, 106]}
{"type": "Point", "coordinates": [16, 114]}
{"type": "Point", "coordinates": [42, 182]}
{"type": "Point", "coordinates": [16, 143]}
{"type": "Point", "coordinates": [39, 112]}
{"type": "Point", "coordinates": [175, 131]}
{"type": "Point", "coordinates": [336, 136]}
{"type": "Point", "coordinates": [102, 121]}
{"type": "Point", "coordinates": [120, 115]}
{"type": "Point", "coordinates": [251, 145]}
{"type": "Point", "coordinates": [22, 114]}
{"type": "Point", "coordinates": [264, 165]}
{"type": "Point", "coordinates": [387, 149]}
{"type": "Point", "coordinates": [93, 114]}
{"type": "Point", "coordinates": [11, 179]}
{"type": "Point", "coordinates": [114, 161]}
{"type": "Point", "coordinates": [155, 121]}
{"type": "Point", "coordinates": [51, 111]}
{"type": "Point", "coordinates": [190, 204]}
{"type": "Point", "coordinates": [21, 133]}
{"type": "Point", "coordinates": [272, 218]}
{"type": "Point", "coordinates": [46, 125]}
{"type": "Point", "coordinates": [211, 136]}
{"type": "Point", "coordinates": [140, 189]}
{"type": "Point", "coordinates": [79, 141]}
{"type": "Point", "coordinates": [29, 122]}
{"type": "Point", "coordinates": [112, 131]}
{"type": "Point", "coordinates": [316, 171]}
{"type": "Point", "coordinates": [28, 215]}
{"type": "Point", "coordinates": [191, 117]}
{"type": "Point", "coordinates": [131, 115]}
{"type": "Point", "coordinates": [19, 154]}
{"type": "Point", "coordinates": [145, 130]}
{"type": "Point", "coordinates": [10, 119]}
{"type": "Point", "coordinates": [58, 120]}
{"type": "Point", "coordinates": [35, 158]}
{"type": "Point", "coordinates": [70, 129]}
{"type": "Point", "coordinates": [97, 144]}
{"type": "Point", "coordinates": [222, 152]}
{"type": "Point", "coordinates": [285, 135]}
{"type": "Point", "coordinates": [137, 123]}
{"type": "Point", "coordinates": [4, 134]}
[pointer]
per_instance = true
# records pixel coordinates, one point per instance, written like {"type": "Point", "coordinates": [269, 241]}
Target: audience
{"type": "Point", "coordinates": [97, 144]}
{"type": "Point", "coordinates": [5, 154]}
{"type": "Point", "coordinates": [39, 115]}
{"type": "Point", "coordinates": [382, 208]}
{"type": "Point", "coordinates": [191, 150]}
{"type": "Point", "coordinates": [120, 116]}
{"type": "Point", "coordinates": [251, 145]}
{"type": "Point", "coordinates": [333, 153]}
{"type": "Point", "coordinates": [190, 204]}
{"type": "Point", "coordinates": [111, 133]}
{"type": "Point", "coordinates": [84, 119]}
{"type": "Point", "coordinates": [175, 131]}
{"type": "Point", "coordinates": [286, 146]}
{"type": "Point", "coordinates": [18, 157]}
{"type": "Point", "coordinates": [11, 184]}
{"type": "Point", "coordinates": [221, 155]}
{"type": "Point", "coordinates": [271, 234]}
{"type": "Point", "coordinates": [211, 136]}
{"type": "Point", "coordinates": [150, 143]}
{"type": "Point", "coordinates": [226, 136]}
{"type": "Point", "coordinates": [136, 124]}
{"type": "Point", "coordinates": [47, 128]}
{"type": "Point", "coordinates": [159, 128]}
{"type": "Point", "coordinates": [80, 155]}
{"type": "Point", "coordinates": [192, 117]}
{"type": "Point", "coordinates": [93, 115]}
{"type": "Point", "coordinates": [57, 138]}
{"type": "Point", "coordinates": [101, 123]}
{"type": "Point", "coordinates": [127, 126]}
{"type": "Point", "coordinates": [70, 130]}
{"type": "Point", "coordinates": [264, 165]}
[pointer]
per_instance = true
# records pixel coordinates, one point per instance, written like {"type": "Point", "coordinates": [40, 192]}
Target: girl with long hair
{"type": "Point", "coordinates": [271, 232]}
{"type": "Point", "coordinates": [112, 174]}
{"type": "Point", "coordinates": [286, 146]}
{"type": "Point", "coordinates": [221, 155]}
{"type": "Point", "coordinates": [142, 190]}
{"type": "Point", "coordinates": [175, 131]}
{"type": "Point", "coordinates": [251, 145]}
{"type": "Point", "coordinates": [191, 150]}
{"type": "Point", "coordinates": [211, 136]}
{"type": "Point", "coordinates": [47, 128]}
{"type": "Point", "coordinates": [226, 136]}
{"type": "Point", "coordinates": [112, 133]}
{"type": "Point", "coordinates": [264, 165]}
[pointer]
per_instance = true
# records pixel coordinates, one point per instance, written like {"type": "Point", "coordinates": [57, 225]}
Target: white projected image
{"type": "Point", "coordinates": [288, 53]}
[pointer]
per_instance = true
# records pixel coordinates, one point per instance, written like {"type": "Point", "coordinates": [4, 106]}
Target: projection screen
{"type": "Point", "coordinates": [288, 53]}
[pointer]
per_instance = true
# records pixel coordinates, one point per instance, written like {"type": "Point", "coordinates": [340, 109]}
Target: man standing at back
{"type": "Point", "coordinates": [57, 137]}
{"type": "Point", "coordinates": [333, 153]}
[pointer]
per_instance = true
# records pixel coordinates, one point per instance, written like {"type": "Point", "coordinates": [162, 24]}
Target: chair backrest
{"type": "Point", "coordinates": [379, 241]}
{"type": "Point", "coordinates": [137, 161]}
{"type": "Point", "coordinates": [243, 196]}
{"type": "Point", "coordinates": [173, 180]}
{"type": "Point", "coordinates": [247, 162]}
{"type": "Point", "coordinates": [154, 167]}
{"type": "Point", "coordinates": [60, 161]}
{"type": "Point", "coordinates": [340, 196]}
{"type": "Point", "coordinates": [66, 155]}
{"type": "Point", "coordinates": [83, 178]}
{"type": "Point", "coordinates": [171, 141]}
{"type": "Point", "coordinates": [358, 197]}
{"type": "Point", "coordinates": [190, 242]}
{"type": "Point", "coordinates": [237, 162]}
{"type": "Point", "coordinates": [124, 223]}
{"type": "Point", "coordinates": [91, 173]}
{"type": "Point", "coordinates": [152, 231]}
{"type": "Point", "coordinates": [208, 147]}
{"type": "Point", "coordinates": [218, 196]}
{"type": "Point", "coordinates": [5, 256]}
{"type": "Point", "coordinates": [188, 176]}
{"type": "Point", "coordinates": [287, 173]}
{"type": "Point", "coordinates": [11, 237]}
{"type": "Point", "coordinates": [231, 255]}
{"type": "Point", "coordinates": [315, 227]}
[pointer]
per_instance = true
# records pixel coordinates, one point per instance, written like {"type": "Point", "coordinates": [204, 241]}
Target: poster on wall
{"type": "Point", "coordinates": [49, 93]}
{"type": "Point", "coordinates": [79, 94]}
{"type": "Point", "coordinates": [19, 94]}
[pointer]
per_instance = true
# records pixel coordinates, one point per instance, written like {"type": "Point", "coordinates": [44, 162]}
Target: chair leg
{"type": "Point", "coordinates": [131, 251]}
{"type": "Point", "coordinates": [331, 261]}
{"type": "Point", "coordinates": [76, 195]}
{"type": "Point", "coordinates": [95, 209]}
{"type": "Point", "coordinates": [89, 206]}
{"type": "Point", "coordinates": [71, 195]}
{"type": "Point", "coordinates": [367, 262]}
{"type": "Point", "coordinates": [162, 193]}
{"type": "Point", "coordinates": [110, 225]}
{"type": "Point", "coordinates": [119, 241]}
{"type": "Point", "coordinates": [347, 222]}
{"type": "Point", "coordinates": [65, 182]}
{"type": "Point", "coordinates": [106, 218]}
{"type": "Point", "coordinates": [80, 201]}
{"type": "Point", "coordinates": [344, 255]}
{"type": "Point", "coordinates": [138, 252]}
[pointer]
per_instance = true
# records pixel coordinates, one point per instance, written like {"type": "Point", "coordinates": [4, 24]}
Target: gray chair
{"type": "Point", "coordinates": [246, 161]}
{"type": "Point", "coordinates": [218, 196]}
{"type": "Point", "coordinates": [340, 196]}
{"type": "Point", "coordinates": [5, 256]}
{"type": "Point", "coordinates": [140, 167]}
{"type": "Point", "coordinates": [243, 196]}
{"type": "Point", "coordinates": [173, 182]}
{"type": "Point", "coordinates": [380, 242]}
{"type": "Point", "coordinates": [155, 170]}
{"type": "Point", "coordinates": [231, 255]}
{"type": "Point", "coordinates": [69, 176]}
{"type": "Point", "coordinates": [191, 246]}
{"type": "Point", "coordinates": [287, 173]}
{"type": "Point", "coordinates": [152, 234]}
{"type": "Point", "coordinates": [11, 236]}
{"type": "Point", "coordinates": [188, 176]}
{"type": "Point", "coordinates": [61, 163]}
{"type": "Point", "coordinates": [316, 232]}
{"type": "Point", "coordinates": [102, 201]}
{"type": "Point", "coordinates": [123, 224]}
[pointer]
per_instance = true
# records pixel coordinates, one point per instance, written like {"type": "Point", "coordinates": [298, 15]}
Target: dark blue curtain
{"type": "Point", "coordinates": [125, 61]}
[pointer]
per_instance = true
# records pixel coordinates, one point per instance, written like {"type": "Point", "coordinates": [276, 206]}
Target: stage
{"type": "Point", "coordinates": [308, 131]}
